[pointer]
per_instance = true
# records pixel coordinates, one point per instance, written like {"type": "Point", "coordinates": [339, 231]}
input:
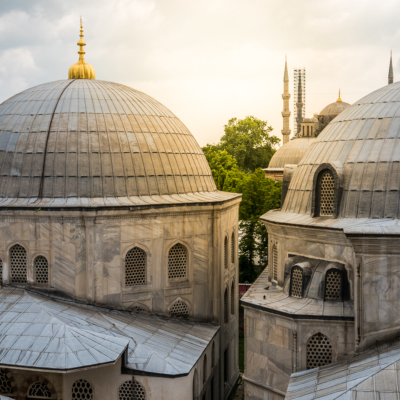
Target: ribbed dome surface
{"type": "Point", "coordinates": [365, 141]}
{"type": "Point", "coordinates": [290, 153]}
{"type": "Point", "coordinates": [92, 143]}
{"type": "Point", "coordinates": [335, 108]}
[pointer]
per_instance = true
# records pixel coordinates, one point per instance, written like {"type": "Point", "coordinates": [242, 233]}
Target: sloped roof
{"type": "Point", "coordinates": [370, 375]}
{"type": "Point", "coordinates": [37, 331]}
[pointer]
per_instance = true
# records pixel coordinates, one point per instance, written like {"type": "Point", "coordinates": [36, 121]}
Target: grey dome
{"type": "Point", "coordinates": [95, 143]}
{"type": "Point", "coordinates": [364, 143]}
{"type": "Point", "coordinates": [334, 108]}
{"type": "Point", "coordinates": [291, 152]}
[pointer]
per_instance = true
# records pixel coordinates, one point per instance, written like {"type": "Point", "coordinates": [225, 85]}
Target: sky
{"type": "Point", "coordinates": [210, 60]}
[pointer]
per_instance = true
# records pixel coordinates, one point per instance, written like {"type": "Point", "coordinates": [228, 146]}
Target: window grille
{"type": "Point", "coordinates": [39, 391]}
{"type": "Point", "coordinates": [179, 309]}
{"type": "Point", "coordinates": [233, 298]}
{"type": "Point", "coordinates": [233, 248]}
{"type": "Point", "coordinates": [18, 264]}
{"type": "Point", "coordinates": [319, 351]}
{"type": "Point", "coordinates": [195, 385]}
{"type": "Point", "coordinates": [41, 270]}
{"type": "Point", "coordinates": [1, 270]}
{"type": "Point", "coordinates": [82, 390]}
{"type": "Point", "coordinates": [326, 193]}
{"type": "Point", "coordinates": [275, 262]}
{"type": "Point", "coordinates": [213, 355]}
{"type": "Point", "coordinates": [135, 267]}
{"type": "Point", "coordinates": [297, 282]}
{"type": "Point", "coordinates": [177, 261]}
{"type": "Point", "coordinates": [333, 285]}
{"type": "Point", "coordinates": [226, 252]}
{"type": "Point", "coordinates": [5, 384]}
{"type": "Point", "coordinates": [226, 318]}
{"type": "Point", "coordinates": [204, 368]}
{"type": "Point", "coordinates": [131, 390]}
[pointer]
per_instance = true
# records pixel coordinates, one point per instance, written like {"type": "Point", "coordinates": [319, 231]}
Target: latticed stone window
{"type": "Point", "coordinates": [326, 194]}
{"type": "Point", "coordinates": [179, 309]}
{"type": "Point", "coordinates": [41, 270]}
{"type": "Point", "coordinates": [226, 316]}
{"type": "Point", "coordinates": [39, 391]}
{"type": "Point", "coordinates": [5, 384]}
{"type": "Point", "coordinates": [233, 247]}
{"type": "Point", "coordinates": [275, 262]}
{"type": "Point", "coordinates": [195, 385]}
{"type": "Point", "coordinates": [131, 390]}
{"type": "Point", "coordinates": [135, 267]}
{"type": "Point", "coordinates": [333, 285]}
{"type": "Point", "coordinates": [177, 261]}
{"type": "Point", "coordinates": [204, 368]}
{"type": "Point", "coordinates": [297, 282]}
{"type": "Point", "coordinates": [226, 252]}
{"type": "Point", "coordinates": [319, 351]}
{"type": "Point", "coordinates": [233, 298]}
{"type": "Point", "coordinates": [18, 264]}
{"type": "Point", "coordinates": [82, 390]}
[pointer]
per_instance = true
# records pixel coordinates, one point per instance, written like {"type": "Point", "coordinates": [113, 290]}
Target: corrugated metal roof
{"type": "Point", "coordinates": [40, 332]}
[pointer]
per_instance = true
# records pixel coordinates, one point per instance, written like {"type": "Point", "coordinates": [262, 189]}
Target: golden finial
{"type": "Point", "coordinates": [81, 70]}
{"type": "Point", "coordinates": [339, 99]}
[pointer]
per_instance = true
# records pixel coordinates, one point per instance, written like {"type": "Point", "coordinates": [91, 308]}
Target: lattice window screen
{"type": "Point", "coordinates": [177, 261]}
{"type": "Point", "coordinates": [326, 193]}
{"type": "Point", "coordinates": [18, 264]}
{"type": "Point", "coordinates": [135, 267]}
{"type": "Point", "coordinates": [82, 390]}
{"type": "Point", "coordinates": [5, 384]}
{"type": "Point", "coordinates": [297, 282]}
{"type": "Point", "coordinates": [39, 391]}
{"type": "Point", "coordinates": [226, 252]}
{"type": "Point", "coordinates": [41, 270]}
{"type": "Point", "coordinates": [226, 316]}
{"type": "Point", "coordinates": [275, 262]}
{"type": "Point", "coordinates": [233, 298]}
{"type": "Point", "coordinates": [179, 309]}
{"type": "Point", "coordinates": [333, 285]}
{"type": "Point", "coordinates": [319, 351]}
{"type": "Point", "coordinates": [195, 385]}
{"type": "Point", "coordinates": [205, 369]}
{"type": "Point", "coordinates": [131, 390]}
{"type": "Point", "coordinates": [233, 246]}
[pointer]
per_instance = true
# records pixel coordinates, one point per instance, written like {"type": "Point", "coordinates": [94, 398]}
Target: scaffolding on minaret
{"type": "Point", "coordinates": [299, 97]}
{"type": "Point", "coordinates": [286, 112]}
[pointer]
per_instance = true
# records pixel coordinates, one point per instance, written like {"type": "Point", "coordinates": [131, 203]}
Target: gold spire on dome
{"type": "Point", "coordinates": [81, 70]}
{"type": "Point", "coordinates": [339, 99]}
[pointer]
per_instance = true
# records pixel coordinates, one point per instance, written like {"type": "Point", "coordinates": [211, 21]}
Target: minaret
{"type": "Point", "coordinates": [286, 113]}
{"type": "Point", "coordinates": [299, 104]}
{"type": "Point", "coordinates": [390, 76]}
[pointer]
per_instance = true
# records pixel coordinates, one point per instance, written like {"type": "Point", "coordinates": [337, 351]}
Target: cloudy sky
{"type": "Point", "coordinates": [207, 60]}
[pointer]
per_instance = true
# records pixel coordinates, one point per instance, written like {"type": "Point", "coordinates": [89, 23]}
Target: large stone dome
{"type": "Point", "coordinates": [93, 143]}
{"type": "Point", "coordinates": [334, 108]}
{"type": "Point", "coordinates": [363, 145]}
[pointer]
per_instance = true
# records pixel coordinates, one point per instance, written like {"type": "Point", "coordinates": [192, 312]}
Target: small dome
{"type": "Point", "coordinates": [290, 153]}
{"type": "Point", "coordinates": [335, 108]}
{"type": "Point", "coordinates": [363, 143]}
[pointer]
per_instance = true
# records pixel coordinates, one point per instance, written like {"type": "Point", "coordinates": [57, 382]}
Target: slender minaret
{"type": "Point", "coordinates": [286, 112]}
{"type": "Point", "coordinates": [299, 104]}
{"type": "Point", "coordinates": [390, 76]}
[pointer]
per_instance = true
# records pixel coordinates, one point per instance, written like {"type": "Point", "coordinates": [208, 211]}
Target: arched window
{"type": "Point", "coordinates": [195, 384]}
{"type": "Point", "coordinates": [226, 318]}
{"type": "Point", "coordinates": [233, 248]}
{"type": "Point", "coordinates": [39, 391]}
{"type": "Point", "coordinates": [135, 267]}
{"type": "Point", "coordinates": [296, 282]}
{"type": "Point", "coordinates": [226, 252]}
{"type": "Point", "coordinates": [319, 351]}
{"type": "Point", "coordinates": [5, 384]}
{"type": "Point", "coordinates": [311, 131]}
{"type": "Point", "coordinates": [82, 390]}
{"type": "Point", "coordinates": [325, 193]}
{"type": "Point", "coordinates": [18, 264]}
{"type": "Point", "coordinates": [333, 285]}
{"type": "Point", "coordinates": [233, 298]}
{"type": "Point", "coordinates": [130, 390]}
{"type": "Point", "coordinates": [213, 355]}
{"type": "Point", "coordinates": [275, 262]}
{"type": "Point", "coordinates": [41, 270]}
{"type": "Point", "coordinates": [205, 368]}
{"type": "Point", "coordinates": [303, 130]}
{"type": "Point", "coordinates": [308, 130]}
{"type": "Point", "coordinates": [179, 309]}
{"type": "Point", "coordinates": [177, 261]}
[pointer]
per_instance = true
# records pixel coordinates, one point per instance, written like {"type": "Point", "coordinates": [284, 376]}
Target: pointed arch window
{"type": "Point", "coordinates": [135, 267]}
{"type": "Point", "coordinates": [333, 285]}
{"type": "Point", "coordinates": [275, 262]}
{"type": "Point", "coordinates": [179, 309]}
{"type": "Point", "coordinates": [39, 391]}
{"type": "Point", "coordinates": [204, 369]}
{"type": "Point", "coordinates": [213, 355]}
{"type": "Point", "coordinates": [18, 264]}
{"type": "Point", "coordinates": [233, 248]}
{"type": "Point", "coordinates": [319, 351]}
{"type": "Point", "coordinates": [325, 193]}
{"type": "Point", "coordinates": [226, 252]}
{"type": "Point", "coordinates": [130, 390]}
{"type": "Point", "coordinates": [296, 282]}
{"type": "Point", "coordinates": [177, 262]}
{"type": "Point", "coordinates": [82, 390]}
{"type": "Point", "coordinates": [226, 316]}
{"type": "Point", "coordinates": [41, 270]}
{"type": "Point", "coordinates": [233, 298]}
